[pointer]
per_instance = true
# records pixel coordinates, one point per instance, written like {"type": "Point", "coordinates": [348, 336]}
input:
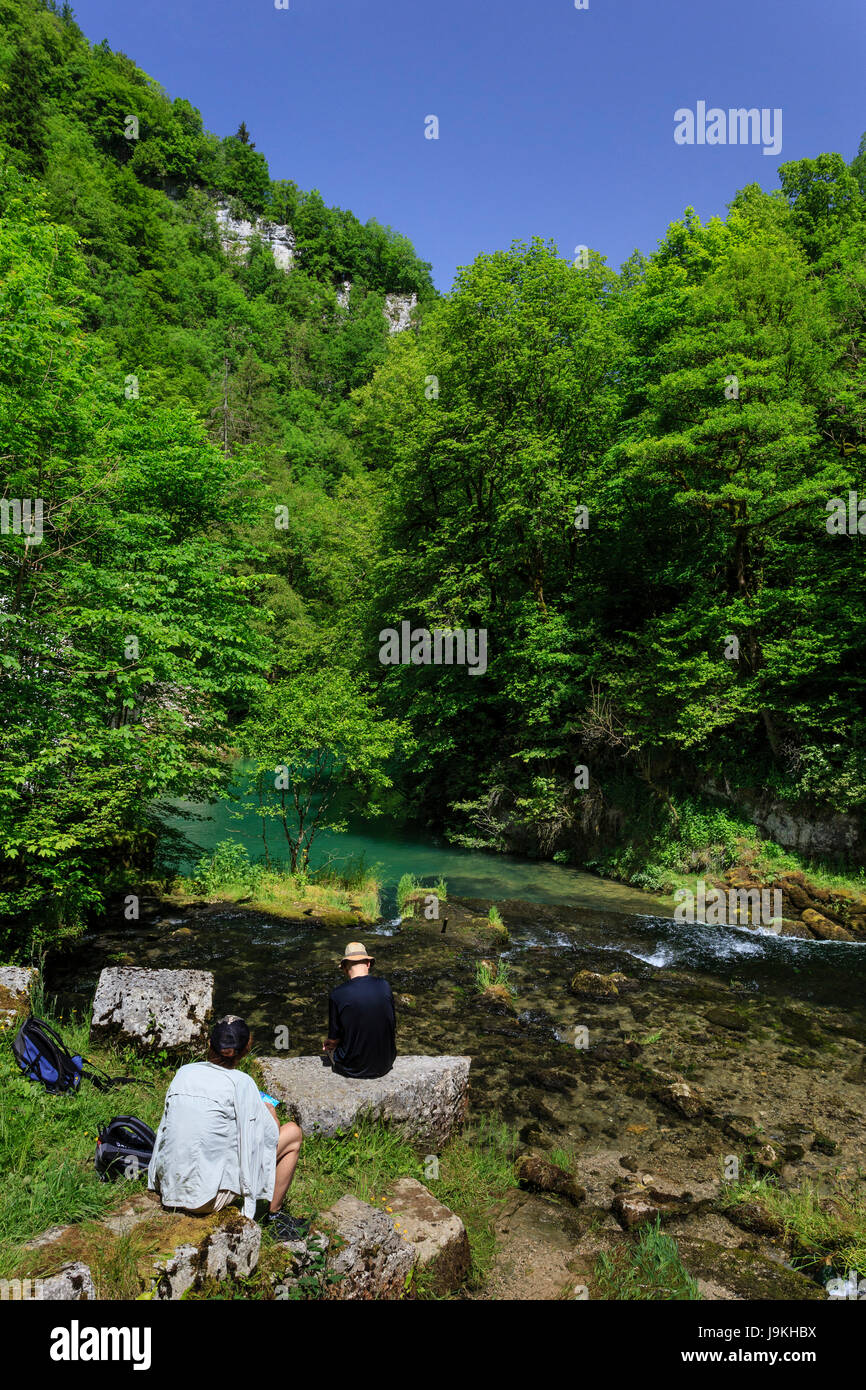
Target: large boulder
{"type": "Point", "coordinates": [370, 1256]}
{"type": "Point", "coordinates": [153, 1009]}
{"type": "Point", "coordinates": [16, 985]}
{"type": "Point", "coordinates": [437, 1235]}
{"type": "Point", "coordinates": [425, 1097]}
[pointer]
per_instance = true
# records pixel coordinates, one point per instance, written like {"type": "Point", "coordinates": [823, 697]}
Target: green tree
{"type": "Point", "coordinates": [319, 750]}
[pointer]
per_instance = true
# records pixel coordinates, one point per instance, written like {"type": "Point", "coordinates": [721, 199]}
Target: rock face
{"type": "Point", "coordinates": [73, 1283]}
{"type": "Point", "coordinates": [153, 1008]}
{"type": "Point", "coordinates": [236, 235]}
{"type": "Point", "coordinates": [438, 1236]}
{"type": "Point", "coordinates": [16, 984]}
{"type": "Point", "coordinates": [229, 1251]}
{"type": "Point", "coordinates": [398, 311]}
{"type": "Point", "coordinates": [425, 1097]}
{"type": "Point", "coordinates": [374, 1260]}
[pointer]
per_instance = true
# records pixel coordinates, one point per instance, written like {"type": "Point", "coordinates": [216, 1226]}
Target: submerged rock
{"type": "Point", "coordinates": [425, 1097]}
{"type": "Point", "coordinates": [688, 1100]}
{"type": "Point", "coordinates": [588, 984]}
{"type": "Point", "coordinates": [153, 1009]}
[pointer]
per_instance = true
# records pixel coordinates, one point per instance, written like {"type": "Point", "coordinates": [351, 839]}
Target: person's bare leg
{"type": "Point", "coordinates": [288, 1151]}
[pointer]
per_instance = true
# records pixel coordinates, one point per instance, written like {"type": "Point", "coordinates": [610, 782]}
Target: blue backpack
{"type": "Point", "coordinates": [43, 1056]}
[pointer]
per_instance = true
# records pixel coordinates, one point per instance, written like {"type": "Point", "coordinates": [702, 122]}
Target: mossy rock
{"type": "Point", "coordinates": [746, 1273]}
{"type": "Point", "coordinates": [588, 984]}
{"type": "Point", "coordinates": [122, 1249]}
{"type": "Point", "coordinates": [473, 932]}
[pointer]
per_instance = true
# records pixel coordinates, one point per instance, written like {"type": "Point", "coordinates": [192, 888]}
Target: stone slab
{"type": "Point", "coordinates": [425, 1097]}
{"type": "Point", "coordinates": [153, 1009]}
{"type": "Point", "coordinates": [437, 1234]}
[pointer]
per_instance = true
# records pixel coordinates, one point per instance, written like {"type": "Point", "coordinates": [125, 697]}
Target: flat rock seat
{"type": "Point", "coordinates": [425, 1097]}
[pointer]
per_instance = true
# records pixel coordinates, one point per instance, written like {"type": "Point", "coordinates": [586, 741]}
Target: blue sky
{"type": "Point", "coordinates": [554, 121]}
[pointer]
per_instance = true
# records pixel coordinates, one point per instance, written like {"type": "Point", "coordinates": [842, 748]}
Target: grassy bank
{"type": "Point", "coordinates": [825, 1232]}
{"type": "Point", "coordinates": [227, 874]}
{"type": "Point", "coordinates": [698, 840]}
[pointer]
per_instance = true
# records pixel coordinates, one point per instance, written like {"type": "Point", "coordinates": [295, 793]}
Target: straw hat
{"type": "Point", "coordinates": [356, 954]}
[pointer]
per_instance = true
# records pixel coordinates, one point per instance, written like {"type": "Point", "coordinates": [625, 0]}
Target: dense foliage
{"type": "Point", "coordinates": [623, 478]}
{"type": "Point", "coordinates": [700, 626]}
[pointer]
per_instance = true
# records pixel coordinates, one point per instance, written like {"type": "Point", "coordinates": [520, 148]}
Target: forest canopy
{"type": "Point", "coordinates": [626, 478]}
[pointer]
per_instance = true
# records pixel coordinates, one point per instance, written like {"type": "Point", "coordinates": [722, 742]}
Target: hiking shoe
{"type": "Point", "coordinates": [284, 1227]}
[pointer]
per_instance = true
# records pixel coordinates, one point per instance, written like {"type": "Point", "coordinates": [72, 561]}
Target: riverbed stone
{"type": "Point", "coordinates": [227, 1251]}
{"type": "Point", "coordinates": [425, 1097]}
{"type": "Point", "coordinates": [688, 1100]}
{"type": "Point", "coordinates": [16, 986]}
{"type": "Point", "coordinates": [153, 1009]}
{"type": "Point", "coordinates": [370, 1257]}
{"type": "Point", "coordinates": [437, 1234]}
{"type": "Point", "coordinates": [589, 984]}
{"type": "Point", "coordinates": [633, 1209]}
{"type": "Point", "coordinates": [539, 1175]}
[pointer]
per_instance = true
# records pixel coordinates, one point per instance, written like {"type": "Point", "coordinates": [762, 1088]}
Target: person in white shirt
{"type": "Point", "coordinates": [219, 1140]}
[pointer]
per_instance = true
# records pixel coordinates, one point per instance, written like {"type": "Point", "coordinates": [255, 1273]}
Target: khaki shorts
{"type": "Point", "coordinates": [218, 1203]}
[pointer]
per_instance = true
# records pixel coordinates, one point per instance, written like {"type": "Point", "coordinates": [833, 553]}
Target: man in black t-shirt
{"type": "Point", "coordinates": [361, 1023]}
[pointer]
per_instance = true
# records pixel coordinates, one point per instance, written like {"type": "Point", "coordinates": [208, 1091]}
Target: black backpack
{"type": "Point", "coordinates": [43, 1056]}
{"type": "Point", "coordinates": [124, 1148]}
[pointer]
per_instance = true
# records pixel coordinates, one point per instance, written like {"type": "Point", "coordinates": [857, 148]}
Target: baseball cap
{"type": "Point", "coordinates": [229, 1035]}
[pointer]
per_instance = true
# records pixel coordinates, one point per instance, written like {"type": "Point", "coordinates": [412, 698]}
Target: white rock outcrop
{"type": "Point", "coordinates": [230, 1251]}
{"type": "Point", "coordinates": [398, 311]}
{"type": "Point", "coordinates": [236, 236]}
{"type": "Point", "coordinates": [73, 1283]}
